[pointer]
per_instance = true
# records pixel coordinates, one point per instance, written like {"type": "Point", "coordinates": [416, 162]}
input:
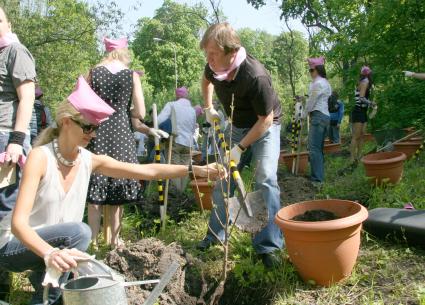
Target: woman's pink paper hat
{"type": "Point", "coordinates": [89, 104]}
{"type": "Point", "coordinates": [365, 71]}
{"type": "Point", "coordinates": [112, 44]}
{"type": "Point", "coordinates": [316, 61]}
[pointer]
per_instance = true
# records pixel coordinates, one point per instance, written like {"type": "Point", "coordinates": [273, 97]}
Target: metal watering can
{"type": "Point", "coordinates": [108, 288]}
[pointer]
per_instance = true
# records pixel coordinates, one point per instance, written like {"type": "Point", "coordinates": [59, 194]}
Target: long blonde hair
{"type": "Point", "coordinates": [122, 54]}
{"type": "Point", "coordinates": [64, 110]}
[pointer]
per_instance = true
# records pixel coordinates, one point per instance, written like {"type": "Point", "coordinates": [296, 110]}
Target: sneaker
{"type": "Point", "coordinates": [206, 243]}
{"type": "Point", "coordinates": [271, 260]}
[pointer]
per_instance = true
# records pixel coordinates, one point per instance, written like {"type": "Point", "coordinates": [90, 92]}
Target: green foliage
{"type": "Point", "coordinates": [179, 25]}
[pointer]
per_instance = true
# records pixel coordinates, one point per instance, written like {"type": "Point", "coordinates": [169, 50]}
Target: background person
{"type": "Point", "coordinates": [414, 75]}
{"type": "Point", "coordinates": [183, 120]}
{"type": "Point", "coordinates": [239, 79]}
{"type": "Point", "coordinates": [17, 78]}
{"type": "Point", "coordinates": [359, 114]}
{"type": "Point", "coordinates": [335, 120]}
{"type": "Point", "coordinates": [120, 87]}
{"type": "Point", "coordinates": [46, 228]}
{"type": "Point", "coordinates": [317, 110]}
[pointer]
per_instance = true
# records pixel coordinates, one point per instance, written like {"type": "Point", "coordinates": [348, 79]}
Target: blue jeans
{"type": "Point", "coordinates": [319, 124]}
{"type": "Point", "coordinates": [9, 193]}
{"type": "Point", "coordinates": [15, 257]}
{"type": "Point", "coordinates": [265, 154]}
{"type": "Point", "coordinates": [334, 132]}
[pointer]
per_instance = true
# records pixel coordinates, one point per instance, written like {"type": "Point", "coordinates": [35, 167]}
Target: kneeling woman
{"type": "Point", "coordinates": [46, 228]}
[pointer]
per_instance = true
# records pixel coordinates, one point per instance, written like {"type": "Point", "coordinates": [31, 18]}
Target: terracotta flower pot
{"type": "Point", "coordinates": [323, 252]}
{"type": "Point", "coordinates": [384, 166]}
{"type": "Point", "coordinates": [409, 129]}
{"type": "Point", "coordinates": [203, 192]}
{"type": "Point", "coordinates": [288, 159]}
{"type": "Point", "coordinates": [415, 140]}
{"type": "Point", "coordinates": [327, 141]}
{"type": "Point", "coordinates": [368, 137]}
{"type": "Point", "coordinates": [409, 148]}
{"type": "Point", "coordinates": [331, 148]}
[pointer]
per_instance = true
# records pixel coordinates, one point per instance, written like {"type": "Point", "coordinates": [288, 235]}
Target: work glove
{"type": "Point", "coordinates": [408, 73]}
{"type": "Point", "coordinates": [158, 133]}
{"type": "Point", "coordinates": [234, 155]}
{"type": "Point", "coordinates": [58, 261]}
{"type": "Point", "coordinates": [211, 114]}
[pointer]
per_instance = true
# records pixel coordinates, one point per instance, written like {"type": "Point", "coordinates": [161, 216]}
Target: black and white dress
{"type": "Point", "coordinates": [114, 138]}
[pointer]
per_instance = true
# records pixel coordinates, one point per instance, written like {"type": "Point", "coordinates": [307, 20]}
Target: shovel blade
{"type": "Point", "coordinates": [259, 209]}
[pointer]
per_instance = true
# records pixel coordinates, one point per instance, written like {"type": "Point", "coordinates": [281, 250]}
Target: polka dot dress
{"type": "Point", "coordinates": [114, 138]}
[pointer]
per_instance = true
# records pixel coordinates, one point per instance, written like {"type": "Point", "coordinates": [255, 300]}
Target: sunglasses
{"type": "Point", "coordinates": [311, 70]}
{"type": "Point", "coordinates": [87, 128]}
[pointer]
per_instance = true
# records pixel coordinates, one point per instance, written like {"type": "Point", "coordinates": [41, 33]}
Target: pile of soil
{"type": "Point", "coordinates": [315, 215]}
{"type": "Point", "coordinates": [294, 188]}
{"type": "Point", "coordinates": [149, 259]}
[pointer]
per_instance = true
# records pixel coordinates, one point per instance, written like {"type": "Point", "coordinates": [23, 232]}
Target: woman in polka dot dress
{"type": "Point", "coordinates": [120, 87]}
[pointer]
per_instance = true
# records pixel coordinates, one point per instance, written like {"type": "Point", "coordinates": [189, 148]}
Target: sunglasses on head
{"type": "Point", "coordinates": [87, 128]}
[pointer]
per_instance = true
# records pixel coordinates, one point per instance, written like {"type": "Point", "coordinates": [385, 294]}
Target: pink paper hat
{"type": "Point", "coordinates": [316, 61]}
{"type": "Point", "coordinates": [112, 44]}
{"type": "Point", "coordinates": [182, 92]}
{"type": "Point", "coordinates": [365, 70]}
{"type": "Point", "coordinates": [198, 110]}
{"type": "Point", "coordinates": [89, 104]}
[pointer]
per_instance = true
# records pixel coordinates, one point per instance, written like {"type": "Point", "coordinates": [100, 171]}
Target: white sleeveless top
{"type": "Point", "coordinates": [52, 205]}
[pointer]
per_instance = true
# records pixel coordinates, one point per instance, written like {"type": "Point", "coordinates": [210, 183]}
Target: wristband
{"type": "Point", "coordinates": [47, 255]}
{"type": "Point", "coordinates": [190, 171]}
{"type": "Point", "coordinates": [241, 147]}
{"type": "Point", "coordinates": [17, 137]}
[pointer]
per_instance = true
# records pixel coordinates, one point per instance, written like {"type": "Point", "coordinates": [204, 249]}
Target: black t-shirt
{"type": "Point", "coordinates": [253, 93]}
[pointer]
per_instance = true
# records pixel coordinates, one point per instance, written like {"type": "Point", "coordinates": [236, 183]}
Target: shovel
{"type": "Point", "coordinates": [248, 211]}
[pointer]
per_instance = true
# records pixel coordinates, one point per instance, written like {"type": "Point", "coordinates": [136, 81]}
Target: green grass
{"type": "Point", "coordinates": [384, 274]}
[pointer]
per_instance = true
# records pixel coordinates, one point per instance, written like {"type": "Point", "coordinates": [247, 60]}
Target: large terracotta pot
{"type": "Point", "coordinates": [409, 129]}
{"type": "Point", "coordinates": [288, 159]}
{"type": "Point", "coordinates": [323, 252]}
{"type": "Point", "coordinates": [332, 148]}
{"type": "Point", "coordinates": [409, 148]}
{"type": "Point", "coordinates": [368, 137]}
{"type": "Point", "coordinates": [203, 192]}
{"type": "Point", "coordinates": [384, 166]}
{"type": "Point", "coordinates": [419, 140]}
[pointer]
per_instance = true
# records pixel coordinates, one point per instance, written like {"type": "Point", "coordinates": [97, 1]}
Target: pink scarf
{"type": "Point", "coordinates": [8, 39]}
{"type": "Point", "coordinates": [239, 58]}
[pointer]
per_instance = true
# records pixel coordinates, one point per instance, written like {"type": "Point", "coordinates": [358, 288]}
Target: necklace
{"type": "Point", "coordinates": [60, 158]}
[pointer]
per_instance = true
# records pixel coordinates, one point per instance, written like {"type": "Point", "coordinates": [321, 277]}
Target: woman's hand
{"type": "Point", "coordinates": [64, 260]}
{"type": "Point", "coordinates": [213, 171]}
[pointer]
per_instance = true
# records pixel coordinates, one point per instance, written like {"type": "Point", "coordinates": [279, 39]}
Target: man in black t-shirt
{"type": "Point", "coordinates": [240, 79]}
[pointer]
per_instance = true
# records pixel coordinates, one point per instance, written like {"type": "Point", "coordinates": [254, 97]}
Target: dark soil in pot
{"type": "Point", "coordinates": [315, 215]}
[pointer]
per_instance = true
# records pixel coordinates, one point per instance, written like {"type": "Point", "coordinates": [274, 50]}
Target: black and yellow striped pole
{"type": "Point", "coordinates": [158, 160]}
{"type": "Point", "coordinates": [233, 168]}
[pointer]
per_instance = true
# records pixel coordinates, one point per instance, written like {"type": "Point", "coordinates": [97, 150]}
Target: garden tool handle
{"type": "Point", "coordinates": [158, 157]}
{"type": "Point", "coordinates": [233, 168]}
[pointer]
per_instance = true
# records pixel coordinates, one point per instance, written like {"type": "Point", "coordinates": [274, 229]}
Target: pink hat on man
{"type": "Point", "coordinates": [316, 61]}
{"type": "Point", "coordinates": [365, 71]}
{"type": "Point", "coordinates": [182, 92]}
{"type": "Point", "coordinates": [198, 110]}
{"type": "Point", "coordinates": [113, 44]}
{"type": "Point", "coordinates": [89, 104]}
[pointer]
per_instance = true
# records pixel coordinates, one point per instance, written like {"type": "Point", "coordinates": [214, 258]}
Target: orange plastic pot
{"type": "Point", "coordinates": [384, 166]}
{"type": "Point", "coordinates": [323, 252]}
{"type": "Point", "coordinates": [203, 192]}
{"type": "Point", "coordinates": [288, 160]}
{"type": "Point", "coordinates": [409, 148]}
{"type": "Point", "coordinates": [332, 148]}
{"type": "Point", "coordinates": [415, 140]}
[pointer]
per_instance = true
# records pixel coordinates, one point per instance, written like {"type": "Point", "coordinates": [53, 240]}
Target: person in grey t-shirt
{"type": "Point", "coordinates": [17, 77]}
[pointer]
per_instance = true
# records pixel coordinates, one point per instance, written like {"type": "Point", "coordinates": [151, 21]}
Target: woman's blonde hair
{"type": "Point", "coordinates": [224, 35]}
{"type": "Point", "coordinates": [122, 54]}
{"type": "Point", "coordinates": [64, 110]}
